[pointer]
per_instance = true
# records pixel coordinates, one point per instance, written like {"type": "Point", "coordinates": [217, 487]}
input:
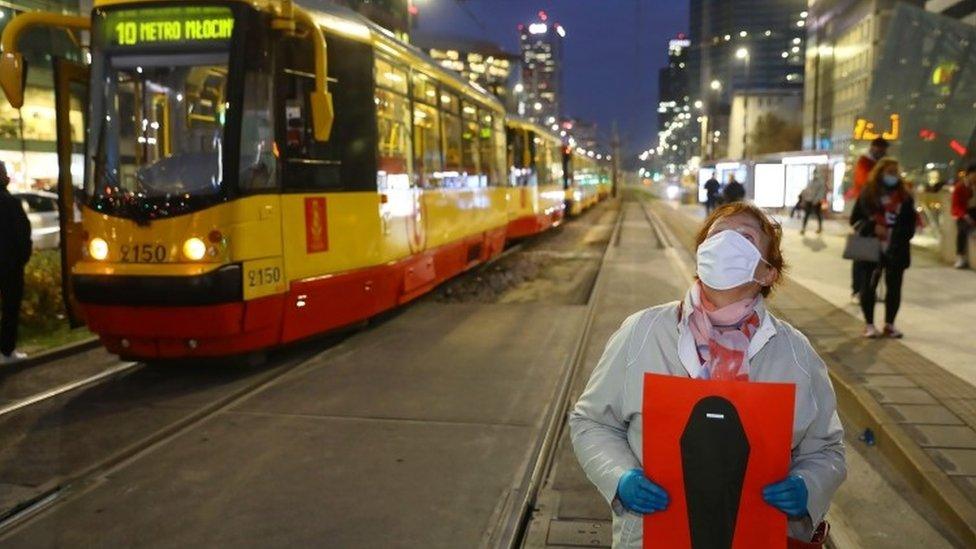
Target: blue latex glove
{"type": "Point", "coordinates": [638, 494]}
{"type": "Point", "coordinates": [789, 496]}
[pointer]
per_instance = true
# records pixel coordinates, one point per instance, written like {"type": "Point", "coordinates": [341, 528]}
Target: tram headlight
{"type": "Point", "coordinates": [98, 249]}
{"type": "Point", "coordinates": [194, 249]}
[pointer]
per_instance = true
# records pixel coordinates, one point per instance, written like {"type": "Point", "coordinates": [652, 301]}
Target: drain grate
{"type": "Point", "coordinates": [580, 533]}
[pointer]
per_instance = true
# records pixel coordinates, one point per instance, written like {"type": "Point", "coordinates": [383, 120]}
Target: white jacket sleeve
{"type": "Point", "coordinates": [597, 424]}
{"type": "Point", "coordinates": [819, 458]}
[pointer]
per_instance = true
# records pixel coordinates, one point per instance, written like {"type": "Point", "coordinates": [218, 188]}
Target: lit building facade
{"type": "Point", "coordinates": [540, 87]}
{"type": "Point", "coordinates": [677, 119]}
{"type": "Point", "coordinates": [483, 63]}
{"type": "Point", "coordinates": [27, 135]}
{"type": "Point", "coordinates": [844, 42]}
{"type": "Point", "coordinates": [742, 45]}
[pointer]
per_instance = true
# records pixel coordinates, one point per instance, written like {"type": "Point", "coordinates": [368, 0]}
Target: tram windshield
{"type": "Point", "coordinates": [160, 79]}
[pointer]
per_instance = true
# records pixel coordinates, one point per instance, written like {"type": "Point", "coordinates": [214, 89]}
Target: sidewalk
{"type": "Point", "coordinates": [917, 394]}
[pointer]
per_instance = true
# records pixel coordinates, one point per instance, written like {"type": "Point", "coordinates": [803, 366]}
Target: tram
{"type": "Point", "coordinates": [250, 174]}
{"type": "Point", "coordinates": [587, 181]}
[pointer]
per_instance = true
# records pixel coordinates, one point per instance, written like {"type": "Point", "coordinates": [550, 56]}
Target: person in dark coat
{"type": "Point", "coordinates": [734, 191]}
{"type": "Point", "coordinates": [711, 194]}
{"type": "Point", "coordinates": [886, 211]}
{"type": "Point", "coordinates": [15, 250]}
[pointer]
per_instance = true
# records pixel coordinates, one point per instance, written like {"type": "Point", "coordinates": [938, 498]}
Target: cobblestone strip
{"type": "Point", "coordinates": [923, 416]}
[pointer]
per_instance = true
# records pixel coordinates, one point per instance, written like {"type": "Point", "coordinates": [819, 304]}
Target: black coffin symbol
{"type": "Point", "coordinates": [714, 454]}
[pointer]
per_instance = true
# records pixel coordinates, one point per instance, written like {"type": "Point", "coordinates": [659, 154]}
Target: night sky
{"type": "Point", "coordinates": [613, 50]}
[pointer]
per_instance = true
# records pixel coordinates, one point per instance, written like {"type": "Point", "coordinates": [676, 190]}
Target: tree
{"type": "Point", "coordinates": [773, 134]}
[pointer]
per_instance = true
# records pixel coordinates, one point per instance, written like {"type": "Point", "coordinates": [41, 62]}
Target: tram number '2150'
{"type": "Point", "coordinates": [260, 277]}
{"type": "Point", "coordinates": [143, 253]}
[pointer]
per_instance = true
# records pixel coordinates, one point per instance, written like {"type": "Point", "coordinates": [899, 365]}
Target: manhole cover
{"type": "Point", "coordinates": [580, 533]}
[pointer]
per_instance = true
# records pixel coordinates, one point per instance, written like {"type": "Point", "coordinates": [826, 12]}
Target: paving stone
{"type": "Point", "coordinates": [965, 408]}
{"type": "Point", "coordinates": [580, 533]}
{"type": "Point", "coordinates": [888, 380]}
{"type": "Point", "coordinates": [902, 395]}
{"type": "Point", "coordinates": [945, 386]}
{"type": "Point", "coordinates": [932, 414]}
{"type": "Point", "coordinates": [955, 461]}
{"type": "Point", "coordinates": [943, 436]}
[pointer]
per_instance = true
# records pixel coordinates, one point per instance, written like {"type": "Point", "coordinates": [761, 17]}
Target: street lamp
{"type": "Point", "coordinates": [716, 85]}
{"type": "Point", "coordinates": [743, 55]}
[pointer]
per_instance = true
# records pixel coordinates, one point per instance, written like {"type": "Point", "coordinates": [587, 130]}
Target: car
{"type": "Point", "coordinates": [42, 210]}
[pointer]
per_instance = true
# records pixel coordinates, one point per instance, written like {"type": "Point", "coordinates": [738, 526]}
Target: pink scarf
{"type": "Point", "coordinates": [722, 336]}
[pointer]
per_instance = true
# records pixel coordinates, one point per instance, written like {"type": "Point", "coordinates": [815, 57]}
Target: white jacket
{"type": "Point", "coordinates": [605, 424]}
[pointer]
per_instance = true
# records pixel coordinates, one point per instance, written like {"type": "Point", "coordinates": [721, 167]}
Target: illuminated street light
{"type": "Point", "coordinates": [716, 85]}
{"type": "Point", "coordinates": [698, 104]}
{"type": "Point", "coordinates": [741, 53]}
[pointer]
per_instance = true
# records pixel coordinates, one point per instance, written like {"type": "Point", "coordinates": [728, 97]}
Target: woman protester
{"type": "Point", "coordinates": [886, 211]}
{"type": "Point", "coordinates": [721, 331]}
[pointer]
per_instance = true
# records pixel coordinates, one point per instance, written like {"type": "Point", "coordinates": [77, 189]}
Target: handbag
{"type": "Point", "coordinates": [862, 248]}
{"type": "Point", "coordinates": [818, 541]}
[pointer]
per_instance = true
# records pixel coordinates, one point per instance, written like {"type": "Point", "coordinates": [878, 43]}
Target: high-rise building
{"type": "Point", "coordinates": [742, 45]}
{"type": "Point", "coordinates": [481, 62]}
{"type": "Point", "coordinates": [844, 42]}
{"type": "Point", "coordinates": [541, 85]}
{"type": "Point", "coordinates": [964, 10]}
{"type": "Point", "coordinates": [677, 124]}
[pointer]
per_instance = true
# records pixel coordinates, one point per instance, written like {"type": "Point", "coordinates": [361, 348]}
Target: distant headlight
{"type": "Point", "coordinates": [98, 249]}
{"type": "Point", "coordinates": [194, 249]}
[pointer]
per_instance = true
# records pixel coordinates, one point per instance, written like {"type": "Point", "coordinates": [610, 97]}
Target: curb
{"type": "Point", "coordinates": [933, 484]}
{"type": "Point", "coordinates": [905, 455]}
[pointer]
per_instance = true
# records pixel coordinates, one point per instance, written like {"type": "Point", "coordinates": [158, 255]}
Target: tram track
{"type": "Point", "coordinates": [511, 531]}
{"type": "Point", "coordinates": [83, 479]}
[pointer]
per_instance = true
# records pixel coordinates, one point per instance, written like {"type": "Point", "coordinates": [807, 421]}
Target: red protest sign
{"type": "Point", "coordinates": [713, 445]}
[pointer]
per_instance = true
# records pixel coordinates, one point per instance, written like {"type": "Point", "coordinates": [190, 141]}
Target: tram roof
{"type": "Point", "coordinates": [350, 24]}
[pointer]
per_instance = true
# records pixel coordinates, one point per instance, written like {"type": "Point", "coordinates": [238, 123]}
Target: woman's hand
{"type": "Point", "coordinates": [638, 494]}
{"type": "Point", "coordinates": [789, 496]}
{"type": "Point", "coordinates": [880, 231]}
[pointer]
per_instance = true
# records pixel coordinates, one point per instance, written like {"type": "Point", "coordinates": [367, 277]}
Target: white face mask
{"type": "Point", "coordinates": [728, 260]}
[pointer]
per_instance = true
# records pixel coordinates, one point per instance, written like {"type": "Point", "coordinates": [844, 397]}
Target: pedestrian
{"type": "Point", "coordinates": [813, 197]}
{"type": "Point", "coordinates": [15, 250]}
{"type": "Point", "coordinates": [734, 191]}
{"type": "Point", "coordinates": [964, 212]}
{"type": "Point", "coordinates": [878, 149]}
{"type": "Point", "coordinates": [885, 210]}
{"type": "Point", "coordinates": [722, 331]}
{"type": "Point", "coordinates": [711, 194]}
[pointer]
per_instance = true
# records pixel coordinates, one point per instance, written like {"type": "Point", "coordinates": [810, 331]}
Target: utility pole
{"type": "Point", "coordinates": [615, 164]}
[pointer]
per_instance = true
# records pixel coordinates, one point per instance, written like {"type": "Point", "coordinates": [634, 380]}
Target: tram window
{"type": "Point", "coordinates": [542, 161]}
{"type": "Point", "coordinates": [347, 161]}
{"type": "Point", "coordinates": [452, 142]}
{"type": "Point", "coordinates": [427, 144]}
{"type": "Point", "coordinates": [516, 156]}
{"type": "Point", "coordinates": [486, 147]}
{"type": "Point", "coordinates": [470, 154]}
{"type": "Point", "coordinates": [257, 164]}
{"type": "Point", "coordinates": [499, 160]}
{"type": "Point", "coordinates": [424, 89]}
{"type": "Point", "coordinates": [393, 119]}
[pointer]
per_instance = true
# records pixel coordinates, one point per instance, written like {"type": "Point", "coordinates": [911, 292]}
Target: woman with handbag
{"type": "Point", "coordinates": [885, 211]}
{"type": "Point", "coordinates": [721, 330]}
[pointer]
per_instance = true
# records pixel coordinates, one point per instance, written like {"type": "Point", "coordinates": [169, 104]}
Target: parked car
{"type": "Point", "coordinates": [42, 210]}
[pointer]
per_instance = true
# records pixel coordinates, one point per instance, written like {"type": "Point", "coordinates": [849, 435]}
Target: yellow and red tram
{"type": "Point", "coordinates": [256, 173]}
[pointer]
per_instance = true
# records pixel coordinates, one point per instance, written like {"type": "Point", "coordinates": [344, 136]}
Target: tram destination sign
{"type": "Point", "coordinates": [169, 25]}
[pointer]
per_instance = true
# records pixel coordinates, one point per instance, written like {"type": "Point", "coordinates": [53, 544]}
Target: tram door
{"type": "Point", "coordinates": [71, 101]}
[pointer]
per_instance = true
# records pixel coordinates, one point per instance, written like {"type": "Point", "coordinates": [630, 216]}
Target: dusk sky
{"type": "Point", "coordinates": [613, 51]}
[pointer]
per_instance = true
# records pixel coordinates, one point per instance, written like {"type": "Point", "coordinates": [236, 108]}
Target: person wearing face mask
{"type": "Point", "coordinates": [885, 210]}
{"type": "Point", "coordinates": [721, 330]}
{"type": "Point", "coordinates": [862, 170]}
